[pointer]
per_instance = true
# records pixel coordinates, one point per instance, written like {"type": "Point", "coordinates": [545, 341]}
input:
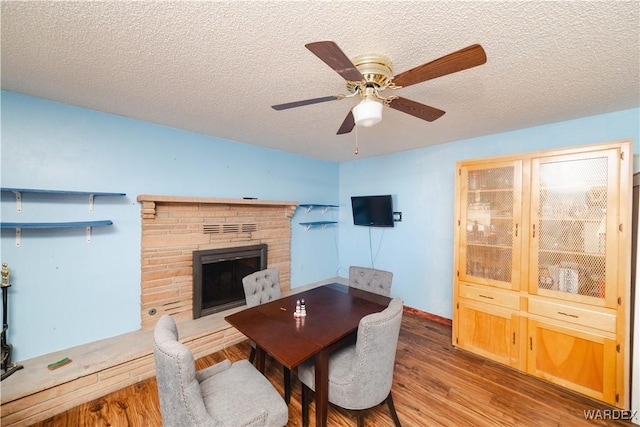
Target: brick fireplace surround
{"type": "Point", "coordinates": [172, 228]}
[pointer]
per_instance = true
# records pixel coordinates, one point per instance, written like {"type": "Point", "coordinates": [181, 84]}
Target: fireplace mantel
{"type": "Point", "coordinates": [149, 208]}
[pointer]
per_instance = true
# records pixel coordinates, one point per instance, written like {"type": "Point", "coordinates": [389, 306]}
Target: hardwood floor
{"type": "Point", "coordinates": [435, 384]}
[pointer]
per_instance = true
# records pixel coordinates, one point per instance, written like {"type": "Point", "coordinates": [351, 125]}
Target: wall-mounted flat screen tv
{"type": "Point", "coordinates": [372, 211]}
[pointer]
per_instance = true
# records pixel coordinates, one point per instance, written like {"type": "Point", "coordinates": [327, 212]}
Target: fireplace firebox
{"type": "Point", "coordinates": [217, 277]}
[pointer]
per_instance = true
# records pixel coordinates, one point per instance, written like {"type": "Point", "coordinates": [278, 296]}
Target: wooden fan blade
{"type": "Point", "coordinates": [334, 57]}
{"type": "Point", "coordinates": [463, 59]}
{"type": "Point", "coordinates": [416, 109]}
{"type": "Point", "coordinates": [347, 125]}
{"type": "Point", "coordinates": [302, 103]}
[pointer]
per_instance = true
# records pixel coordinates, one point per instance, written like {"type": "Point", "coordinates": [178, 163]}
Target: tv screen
{"type": "Point", "coordinates": [372, 211]}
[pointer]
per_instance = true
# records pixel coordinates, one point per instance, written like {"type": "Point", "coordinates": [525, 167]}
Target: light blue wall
{"type": "Point", "coordinates": [419, 250]}
{"type": "Point", "coordinates": [66, 291]}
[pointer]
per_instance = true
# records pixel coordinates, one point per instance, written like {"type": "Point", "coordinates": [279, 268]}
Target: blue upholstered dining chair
{"type": "Point", "coordinates": [371, 279]}
{"type": "Point", "coordinates": [224, 394]}
{"type": "Point", "coordinates": [261, 287]}
{"type": "Point", "coordinates": [361, 375]}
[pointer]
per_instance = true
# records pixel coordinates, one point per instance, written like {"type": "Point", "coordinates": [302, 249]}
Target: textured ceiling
{"type": "Point", "coordinates": [216, 67]}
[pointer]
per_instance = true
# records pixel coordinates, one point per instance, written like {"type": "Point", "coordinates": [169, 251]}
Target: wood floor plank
{"type": "Point", "coordinates": [435, 384]}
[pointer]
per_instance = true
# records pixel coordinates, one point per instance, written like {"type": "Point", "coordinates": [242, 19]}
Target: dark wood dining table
{"type": "Point", "coordinates": [333, 314]}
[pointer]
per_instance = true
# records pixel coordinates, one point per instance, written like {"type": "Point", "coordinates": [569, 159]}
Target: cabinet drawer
{"type": "Point", "coordinates": [491, 296]}
{"type": "Point", "coordinates": [599, 319]}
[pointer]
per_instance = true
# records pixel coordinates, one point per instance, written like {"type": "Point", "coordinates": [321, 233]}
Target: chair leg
{"type": "Point", "coordinates": [252, 355]}
{"type": "Point", "coordinates": [392, 409]}
{"type": "Point", "coordinates": [306, 397]}
{"type": "Point", "coordinates": [287, 384]}
{"type": "Point", "coordinates": [360, 418]}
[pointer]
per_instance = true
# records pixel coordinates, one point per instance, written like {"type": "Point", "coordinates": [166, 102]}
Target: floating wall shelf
{"type": "Point", "coordinates": [49, 225]}
{"type": "Point", "coordinates": [311, 224]}
{"type": "Point", "coordinates": [18, 226]}
{"type": "Point", "coordinates": [325, 208]}
{"type": "Point", "coordinates": [91, 194]}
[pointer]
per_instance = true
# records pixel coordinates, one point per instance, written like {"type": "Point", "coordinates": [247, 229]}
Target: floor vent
{"type": "Point", "coordinates": [229, 228]}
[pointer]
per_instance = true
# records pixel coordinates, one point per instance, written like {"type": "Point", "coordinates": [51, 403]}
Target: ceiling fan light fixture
{"type": "Point", "coordinates": [368, 76]}
{"type": "Point", "coordinates": [367, 113]}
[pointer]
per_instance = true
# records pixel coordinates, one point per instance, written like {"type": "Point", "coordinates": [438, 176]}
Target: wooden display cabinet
{"type": "Point", "coordinates": [542, 265]}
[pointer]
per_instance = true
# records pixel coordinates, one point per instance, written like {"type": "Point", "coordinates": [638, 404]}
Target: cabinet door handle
{"type": "Point", "coordinates": [516, 230]}
{"type": "Point", "coordinates": [568, 315]}
{"type": "Point", "coordinates": [485, 296]}
{"type": "Point", "coordinates": [534, 230]}
{"type": "Point", "coordinates": [530, 343]}
{"type": "Point", "coordinates": [514, 338]}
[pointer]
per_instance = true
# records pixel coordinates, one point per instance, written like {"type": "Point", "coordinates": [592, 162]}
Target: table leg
{"type": "Point", "coordinates": [260, 353]}
{"type": "Point", "coordinates": [322, 387]}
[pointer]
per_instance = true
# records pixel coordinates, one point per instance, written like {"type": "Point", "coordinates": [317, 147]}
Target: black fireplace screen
{"type": "Point", "coordinates": [217, 277]}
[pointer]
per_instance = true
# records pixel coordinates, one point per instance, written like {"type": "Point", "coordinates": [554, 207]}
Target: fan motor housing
{"type": "Point", "coordinates": [375, 69]}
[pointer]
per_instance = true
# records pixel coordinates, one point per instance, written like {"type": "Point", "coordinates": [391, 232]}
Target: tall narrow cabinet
{"type": "Point", "coordinates": [542, 265]}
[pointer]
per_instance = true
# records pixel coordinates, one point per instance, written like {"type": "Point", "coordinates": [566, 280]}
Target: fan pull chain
{"type": "Point", "coordinates": [355, 151]}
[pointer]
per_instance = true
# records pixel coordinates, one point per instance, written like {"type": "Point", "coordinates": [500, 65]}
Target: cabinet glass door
{"type": "Point", "coordinates": [572, 213]}
{"type": "Point", "coordinates": [489, 221]}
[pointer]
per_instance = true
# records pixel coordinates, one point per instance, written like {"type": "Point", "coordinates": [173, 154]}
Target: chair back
{"type": "Point", "coordinates": [376, 344]}
{"type": "Point", "coordinates": [262, 286]}
{"type": "Point", "coordinates": [371, 279]}
{"type": "Point", "coordinates": [181, 400]}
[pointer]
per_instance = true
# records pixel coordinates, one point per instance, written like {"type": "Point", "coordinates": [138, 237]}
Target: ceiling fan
{"type": "Point", "coordinates": [369, 75]}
